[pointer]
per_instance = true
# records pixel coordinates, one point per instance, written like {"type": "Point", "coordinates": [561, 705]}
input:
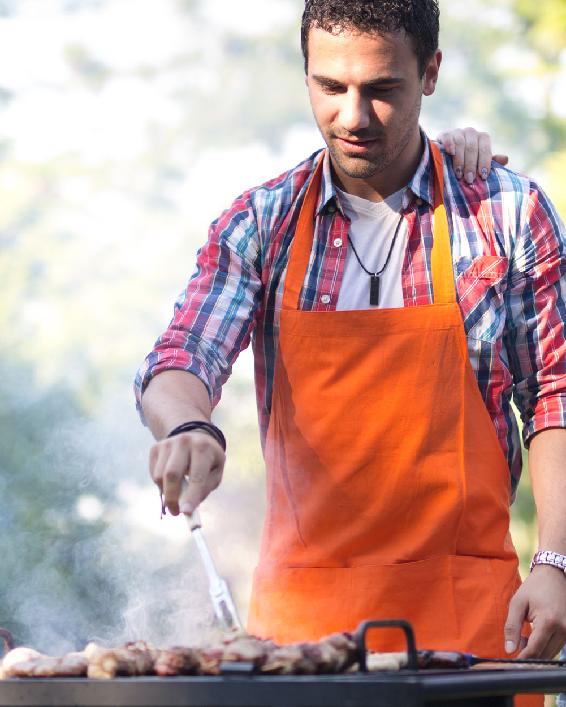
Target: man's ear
{"type": "Point", "coordinates": [431, 74]}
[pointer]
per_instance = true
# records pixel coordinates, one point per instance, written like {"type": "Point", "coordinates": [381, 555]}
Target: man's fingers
{"type": "Point", "coordinates": [174, 471]}
{"type": "Point", "coordinates": [155, 468]}
{"type": "Point", "coordinates": [502, 159]}
{"type": "Point", "coordinates": [448, 143]}
{"type": "Point", "coordinates": [515, 618]}
{"type": "Point", "coordinates": [459, 149]}
{"type": "Point", "coordinates": [471, 152]}
{"type": "Point", "coordinates": [548, 636]}
{"type": "Point", "coordinates": [194, 455]}
{"type": "Point", "coordinates": [538, 642]}
{"type": "Point", "coordinates": [202, 480]}
{"type": "Point", "coordinates": [484, 155]}
{"type": "Point", "coordinates": [207, 463]}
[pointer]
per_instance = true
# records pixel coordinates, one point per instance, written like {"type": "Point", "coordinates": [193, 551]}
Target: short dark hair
{"type": "Point", "coordinates": [420, 19]}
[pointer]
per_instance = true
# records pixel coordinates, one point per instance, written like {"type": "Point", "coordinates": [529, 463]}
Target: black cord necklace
{"type": "Point", "coordinates": [374, 282]}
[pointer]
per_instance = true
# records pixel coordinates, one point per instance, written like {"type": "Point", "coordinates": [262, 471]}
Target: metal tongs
{"type": "Point", "coordinates": [224, 607]}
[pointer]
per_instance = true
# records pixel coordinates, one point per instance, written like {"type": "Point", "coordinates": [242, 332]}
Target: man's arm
{"type": "Point", "coordinates": [542, 597]}
{"type": "Point", "coordinates": [181, 379]}
{"type": "Point", "coordinates": [536, 345]}
{"type": "Point", "coordinates": [547, 465]}
{"type": "Point", "coordinates": [172, 398]}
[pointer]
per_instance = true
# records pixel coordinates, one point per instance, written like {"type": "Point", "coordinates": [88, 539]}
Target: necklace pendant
{"type": "Point", "coordinates": [374, 291]}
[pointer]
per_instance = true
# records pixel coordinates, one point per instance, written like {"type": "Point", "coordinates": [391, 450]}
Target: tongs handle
{"type": "Point", "coordinates": [195, 526]}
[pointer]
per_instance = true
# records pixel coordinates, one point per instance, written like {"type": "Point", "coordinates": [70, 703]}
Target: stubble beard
{"type": "Point", "coordinates": [367, 167]}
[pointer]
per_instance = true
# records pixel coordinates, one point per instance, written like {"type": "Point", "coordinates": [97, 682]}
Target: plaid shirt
{"type": "Point", "coordinates": [508, 248]}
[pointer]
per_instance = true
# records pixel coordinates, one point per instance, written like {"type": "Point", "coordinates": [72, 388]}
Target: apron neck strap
{"type": "Point", "coordinates": [441, 258]}
{"type": "Point", "coordinates": [301, 246]}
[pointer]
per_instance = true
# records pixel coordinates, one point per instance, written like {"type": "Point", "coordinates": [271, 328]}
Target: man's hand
{"type": "Point", "coordinates": [193, 455]}
{"type": "Point", "coordinates": [541, 600]}
{"type": "Point", "coordinates": [471, 152]}
{"type": "Point", "coordinates": [172, 398]}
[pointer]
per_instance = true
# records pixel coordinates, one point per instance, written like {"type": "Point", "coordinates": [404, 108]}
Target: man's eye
{"type": "Point", "coordinates": [382, 92]}
{"type": "Point", "coordinates": [331, 90]}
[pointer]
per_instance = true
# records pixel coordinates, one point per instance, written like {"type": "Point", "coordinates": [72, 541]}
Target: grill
{"type": "Point", "coordinates": [239, 687]}
{"type": "Point", "coordinates": [408, 689]}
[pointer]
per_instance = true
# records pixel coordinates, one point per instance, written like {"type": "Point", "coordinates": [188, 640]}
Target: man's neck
{"type": "Point", "coordinates": [390, 180]}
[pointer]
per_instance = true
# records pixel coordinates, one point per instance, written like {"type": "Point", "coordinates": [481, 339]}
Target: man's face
{"type": "Point", "coordinates": [366, 91]}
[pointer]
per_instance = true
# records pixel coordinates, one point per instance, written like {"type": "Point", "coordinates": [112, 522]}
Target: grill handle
{"type": "Point", "coordinates": [405, 626]}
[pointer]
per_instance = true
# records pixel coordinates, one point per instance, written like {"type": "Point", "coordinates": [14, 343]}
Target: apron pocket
{"type": "Point", "coordinates": [306, 603]}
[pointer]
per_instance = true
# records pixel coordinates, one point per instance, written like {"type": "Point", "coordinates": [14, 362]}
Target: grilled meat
{"type": "Point", "coordinates": [17, 655]}
{"type": "Point", "coordinates": [27, 663]}
{"type": "Point", "coordinates": [178, 660]}
{"type": "Point", "coordinates": [238, 647]}
{"type": "Point", "coordinates": [333, 654]}
{"type": "Point", "coordinates": [135, 658]}
{"type": "Point", "coordinates": [386, 661]}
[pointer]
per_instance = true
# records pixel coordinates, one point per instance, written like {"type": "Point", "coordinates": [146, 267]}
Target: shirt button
{"type": "Point", "coordinates": [325, 299]}
{"type": "Point", "coordinates": [419, 202]}
{"type": "Point", "coordinates": [331, 208]}
{"type": "Point", "coordinates": [337, 242]}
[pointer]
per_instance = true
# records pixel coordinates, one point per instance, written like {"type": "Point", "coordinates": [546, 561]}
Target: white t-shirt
{"type": "Point", "coordinates": [372, 229]}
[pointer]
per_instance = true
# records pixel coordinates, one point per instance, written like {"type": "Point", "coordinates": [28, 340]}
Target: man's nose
{"type": "Point", "coordinates": [355, 113]}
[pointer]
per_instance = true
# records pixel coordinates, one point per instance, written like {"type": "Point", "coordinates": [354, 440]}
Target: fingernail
{"type": "Point", "coordinates": [459, 172]}
{"type": "Point", "coordinates": [484, 173]}
{"type": "Point", "coordinates": [470, 177]}
{"type": "Point", "coordinates": [187, 508]}
{"type": "Point", "coordinates": [509, 646]}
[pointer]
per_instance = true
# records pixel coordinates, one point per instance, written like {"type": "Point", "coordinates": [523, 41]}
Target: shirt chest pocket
{"type": "Point", "coordinates": [481, 285]}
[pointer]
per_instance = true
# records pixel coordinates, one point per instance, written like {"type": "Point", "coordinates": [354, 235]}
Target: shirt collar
{"type": "Point", "coordinates": [421, 185]}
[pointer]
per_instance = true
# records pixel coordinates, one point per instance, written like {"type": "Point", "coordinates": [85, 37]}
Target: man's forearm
{"type": "Point", "coordinates": [547, 466]}
{"type": "Point", "coordinates": [174, 397]}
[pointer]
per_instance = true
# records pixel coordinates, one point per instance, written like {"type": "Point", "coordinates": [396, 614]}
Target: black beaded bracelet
{"type": "Point", "coordinates": [212, 430]}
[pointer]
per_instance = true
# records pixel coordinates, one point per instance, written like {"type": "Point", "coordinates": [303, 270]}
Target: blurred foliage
{"type": "Point", "coordinates": [42, 478]}
{"type": "Point", "coordinates": [545, 26]}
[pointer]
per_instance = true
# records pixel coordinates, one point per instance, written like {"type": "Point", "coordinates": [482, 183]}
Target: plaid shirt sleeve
{"type": "Point", "coordinates": [537, 321]}
{"type": "Point", "coordinates": [214, 317]}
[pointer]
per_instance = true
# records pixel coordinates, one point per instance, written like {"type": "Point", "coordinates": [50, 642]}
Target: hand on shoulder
{"type": "Point", "coordinates": [472, 153]}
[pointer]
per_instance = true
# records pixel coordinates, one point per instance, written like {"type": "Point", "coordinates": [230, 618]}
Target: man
{"type": "Point", "coordinates": [394, 310]}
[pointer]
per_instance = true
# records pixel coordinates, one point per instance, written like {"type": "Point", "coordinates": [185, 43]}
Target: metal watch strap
{"type": "Point", "coordinates": [547, 557]}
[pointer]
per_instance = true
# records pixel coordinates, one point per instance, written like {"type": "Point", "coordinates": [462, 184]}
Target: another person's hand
{"type": "Point", "coordinates": [192, 456]}
{"type": "Point", "coordinates": [541, 600]}
{"type": "Point", "coordinates": [471, 152]}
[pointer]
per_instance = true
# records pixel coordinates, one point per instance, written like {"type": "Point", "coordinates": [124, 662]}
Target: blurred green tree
{"type": "Point", "coordinates": [52, 590]}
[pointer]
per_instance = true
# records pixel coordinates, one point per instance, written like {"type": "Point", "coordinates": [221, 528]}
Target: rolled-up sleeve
{"type": "Point", "coordinates": [536, 339]}
{"type": "Point", "coordinates": [214, 317]}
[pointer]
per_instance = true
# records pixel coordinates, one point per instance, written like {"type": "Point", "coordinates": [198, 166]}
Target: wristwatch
{"type": "Point", "coordinates": [547, 557]}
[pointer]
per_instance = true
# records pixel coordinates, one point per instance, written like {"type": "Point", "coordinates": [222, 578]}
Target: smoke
{"type": "Point", "coordinates": [87, 557]}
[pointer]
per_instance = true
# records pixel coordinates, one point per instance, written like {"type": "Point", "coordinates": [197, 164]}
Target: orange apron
{"type": "Point", "coordinates": [388, 491]}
